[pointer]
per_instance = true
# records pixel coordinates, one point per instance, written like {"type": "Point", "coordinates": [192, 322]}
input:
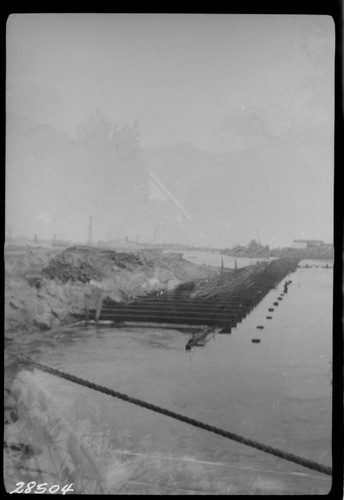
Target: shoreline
{"type": "Point", "coordinates": [48, 288]}
{"type": "Point", "coordinates": [44, 287]}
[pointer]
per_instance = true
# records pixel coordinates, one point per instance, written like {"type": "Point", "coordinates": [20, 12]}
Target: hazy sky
{"type": "Point", "coordinates": [225, 83]}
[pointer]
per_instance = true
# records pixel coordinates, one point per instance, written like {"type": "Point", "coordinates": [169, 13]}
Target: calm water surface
{"type": "Point", "coordinates": [277, 392]}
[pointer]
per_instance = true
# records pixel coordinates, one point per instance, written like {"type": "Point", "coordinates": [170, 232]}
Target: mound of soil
{"type": "Point", "coordinates": [45, 287]}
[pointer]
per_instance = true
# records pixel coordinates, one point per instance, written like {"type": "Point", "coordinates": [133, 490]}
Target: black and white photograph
{"type": "Point", "coordinates": [169, 253]}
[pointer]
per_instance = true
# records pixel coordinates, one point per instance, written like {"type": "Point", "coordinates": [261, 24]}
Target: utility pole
{"type": "Point", "coordinates": [90, 230]}
{"type": "Point", "coordinates": [258, 237]}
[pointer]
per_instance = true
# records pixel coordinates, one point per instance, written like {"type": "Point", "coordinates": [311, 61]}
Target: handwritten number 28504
{"type": "Point", "coordinates": [41, 488]}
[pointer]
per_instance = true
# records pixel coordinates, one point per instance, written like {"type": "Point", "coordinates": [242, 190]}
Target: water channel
{"type": "Point", "coordinates": [277, 392]}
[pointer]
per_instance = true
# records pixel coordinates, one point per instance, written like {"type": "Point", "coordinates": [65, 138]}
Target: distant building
{"type": "Point", "coordinates": [308, 244]}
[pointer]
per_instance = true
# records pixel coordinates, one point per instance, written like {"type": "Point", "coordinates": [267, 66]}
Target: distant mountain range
{"type": "Point", "coordinates": [230, 196]}
{"type": "Point", "coordinates": [222, 191]}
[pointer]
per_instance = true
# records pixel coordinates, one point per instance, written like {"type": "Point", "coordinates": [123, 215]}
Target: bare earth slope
{"type": "Point", "coordinates": [44, 287]}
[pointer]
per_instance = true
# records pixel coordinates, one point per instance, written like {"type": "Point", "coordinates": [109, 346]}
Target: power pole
{"type": "Point", "coordinates": [258, 237]}
{"type": "Point", "coordinates": [90, 230]}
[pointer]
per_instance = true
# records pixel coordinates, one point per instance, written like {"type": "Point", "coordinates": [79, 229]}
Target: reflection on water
{"type": "Point", "coordinates": [277, 392]}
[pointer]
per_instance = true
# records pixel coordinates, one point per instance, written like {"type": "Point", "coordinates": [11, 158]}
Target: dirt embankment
{"type": "Point", "coordinates": [44, 287]}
